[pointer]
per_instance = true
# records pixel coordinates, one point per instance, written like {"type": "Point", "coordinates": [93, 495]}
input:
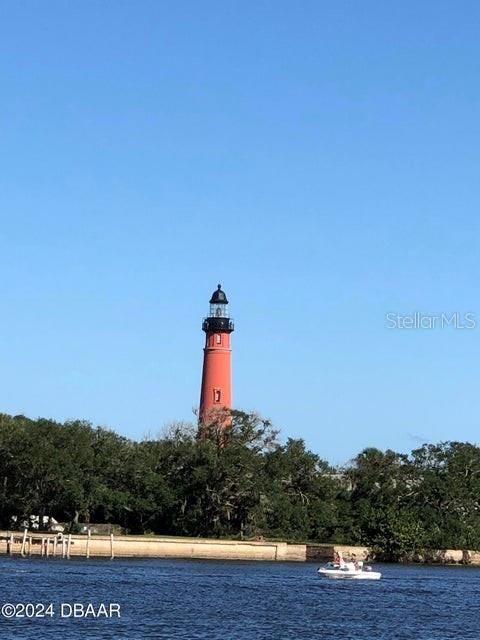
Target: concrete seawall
{"type": "Point", "coordinates": [325, 552]}
{"type": "Point", "coordinates": [51, 545]}
{"type": "Point", "coordinates": [104, 546]}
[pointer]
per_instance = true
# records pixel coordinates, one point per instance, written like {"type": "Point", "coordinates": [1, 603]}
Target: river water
{"type": "Point", "coordinates": [188, 599]}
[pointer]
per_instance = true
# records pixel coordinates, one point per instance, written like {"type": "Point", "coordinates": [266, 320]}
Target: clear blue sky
{"type": "Point", "coordinates": [319, 159]}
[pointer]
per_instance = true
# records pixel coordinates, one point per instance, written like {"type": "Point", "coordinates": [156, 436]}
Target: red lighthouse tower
{"type": "Point", "coordinates": [216, 394]}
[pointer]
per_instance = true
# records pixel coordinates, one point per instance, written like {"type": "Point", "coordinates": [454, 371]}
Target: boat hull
{"type": "Point", "coordinates": [349, 575]}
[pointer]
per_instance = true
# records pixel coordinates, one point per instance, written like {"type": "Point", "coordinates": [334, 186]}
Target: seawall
{"type": "Point", "coordinates": [52, 545]}
{"type": "Point", "coordinates": [113, 546]}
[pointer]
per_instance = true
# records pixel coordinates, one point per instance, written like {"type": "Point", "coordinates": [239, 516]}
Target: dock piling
{"type": "Point", "coordinates": [24, 540]}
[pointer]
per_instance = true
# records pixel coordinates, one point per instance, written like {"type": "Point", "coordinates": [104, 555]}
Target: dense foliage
{"type": "Point", "coordinates": [242, 483]}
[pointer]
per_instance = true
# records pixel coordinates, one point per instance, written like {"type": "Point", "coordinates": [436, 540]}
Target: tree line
{"type": "Point", "coordinates": [239, 483]}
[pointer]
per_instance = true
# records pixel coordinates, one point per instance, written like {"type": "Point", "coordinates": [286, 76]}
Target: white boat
{"type": "Point", "coordinates": [342, 570]}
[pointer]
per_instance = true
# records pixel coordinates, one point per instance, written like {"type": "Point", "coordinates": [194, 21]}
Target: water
{"type": "Point", "coordinates": [188, 599]}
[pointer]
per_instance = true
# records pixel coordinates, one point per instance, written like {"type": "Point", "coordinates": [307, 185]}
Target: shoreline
{"type": "Point", "coordinates": [51, 545]}
{"type": "Point", "coordinates": [114, 546]}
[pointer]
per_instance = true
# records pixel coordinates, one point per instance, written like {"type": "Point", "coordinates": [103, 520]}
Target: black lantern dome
{"type": "Point", "coordinates": [218, 296]}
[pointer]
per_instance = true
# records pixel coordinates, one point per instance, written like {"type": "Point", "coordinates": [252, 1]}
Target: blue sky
{"type": "Point", "coordinates": [319, 159]}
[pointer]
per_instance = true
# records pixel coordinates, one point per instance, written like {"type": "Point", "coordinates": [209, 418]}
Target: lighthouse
{"type": "Point", "coordinates": [216, 392]}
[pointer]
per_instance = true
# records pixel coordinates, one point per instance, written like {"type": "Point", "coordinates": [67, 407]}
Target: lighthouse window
{"type": "Point", "coordinates": [218, 338]}
{"type": "Point", "coordinates": [217, 395]}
